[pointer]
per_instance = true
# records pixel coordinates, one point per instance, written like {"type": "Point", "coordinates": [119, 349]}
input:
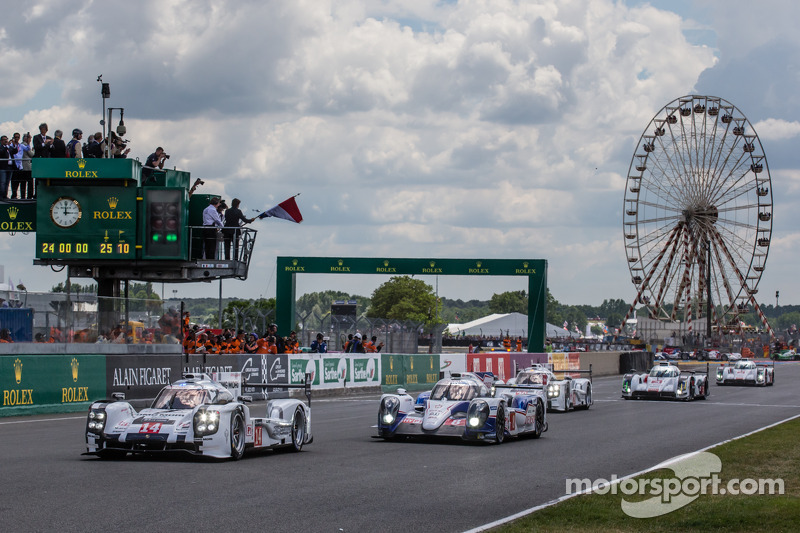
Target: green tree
{"type": "Point", "coordinates": [243, 307]}
{"type": "Point", "coordinates": [786, 320]}
{"type": "Point", "coordinates": [404, 298]}
{"type": "Point", "coordinates": [509, 302]}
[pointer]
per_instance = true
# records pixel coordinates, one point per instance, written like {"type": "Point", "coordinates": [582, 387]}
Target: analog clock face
{"type": "Point", "coordinates": [65, 212]}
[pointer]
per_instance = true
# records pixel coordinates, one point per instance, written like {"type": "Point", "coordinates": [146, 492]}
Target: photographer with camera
{"type": "Point", "coordinates": [154, 161]}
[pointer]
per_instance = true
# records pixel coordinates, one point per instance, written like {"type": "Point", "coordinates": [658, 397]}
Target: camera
{"type": "Point", "coordinates": [166, 156]}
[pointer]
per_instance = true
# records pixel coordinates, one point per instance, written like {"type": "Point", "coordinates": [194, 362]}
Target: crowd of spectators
{"type": "Point", "coordinates": [17, 152]}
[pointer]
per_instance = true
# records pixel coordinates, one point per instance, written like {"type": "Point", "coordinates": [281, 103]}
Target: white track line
{"type": "Point", "coordinates": [659, 466]}
{"type": "Point", "coordinates": [41, 420]}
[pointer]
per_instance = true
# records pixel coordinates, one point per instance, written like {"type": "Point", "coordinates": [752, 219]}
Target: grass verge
{"type": "Point", "coordinates": [773, 453]}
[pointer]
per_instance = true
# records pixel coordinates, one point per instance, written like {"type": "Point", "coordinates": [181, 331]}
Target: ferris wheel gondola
{"type": "Point", "coordinates": [697, 217]}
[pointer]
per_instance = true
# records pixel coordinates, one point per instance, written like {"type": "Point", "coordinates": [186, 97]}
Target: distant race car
{"type": "Point", "coordinates": [463, 406]}
{"type": "Point", "coordinates": [199, 416]}
{"type": "Point", "coordinates": [563, 394]}
{"type": "Point", "coordinates": [716, 355]}
{"type": "Point", "coordinates": [786, 355]}
{"type": "Point", "coordinates": [666, 381]}
{"type": "Point", "coordinates": [746, 373]}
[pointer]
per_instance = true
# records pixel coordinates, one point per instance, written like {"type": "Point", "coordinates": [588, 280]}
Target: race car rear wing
{"type": "Point", "coordinates": [556, 372]}
{"type": "Point", "coordinates": [306, 386]}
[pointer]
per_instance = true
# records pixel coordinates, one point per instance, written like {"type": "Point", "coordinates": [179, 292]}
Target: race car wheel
{"type": "Point", "coordinates": [588, 398]}
{"type": "Point", "coordinates": [298, 430]}
{"type": "Point", "coordinates": [500, 425]}
{"type": "Point", "coordinates": [704, 390]}
{"type": "Point", "coordinates": [237, 436]}
{"type": "Point", "coordinates": [539, 425]}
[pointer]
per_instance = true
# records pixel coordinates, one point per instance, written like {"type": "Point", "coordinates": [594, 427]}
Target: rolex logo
{"type": "Point", "coordinates": [391, 365]}
{"type": "Point", "coordinates": [81, 163]}
{"type": "Point", "coordinates": [386, 262]}
{"type": "Point", "coordinates": [341, 262]}
{"type": "Point", "coordinates": [525, 264]}
{"type": "Point", "coordinates": [294, 262]}
{"type": "Point", "coordinates": [112, 202]}
{"type": "Point", "coordinates": [18, 370]}
{"type": "Point", "coordinates": [433, 264]}
{"type": "Point", "coordinates": [479, 264]}
{"type": "Point", "coordinates": [12, 213]}
{"type": "Point", "coordinates": [74, 365]}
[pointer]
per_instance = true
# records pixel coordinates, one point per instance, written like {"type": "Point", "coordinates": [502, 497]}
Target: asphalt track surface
{"type": "Point", "coordinates": [347, 481]}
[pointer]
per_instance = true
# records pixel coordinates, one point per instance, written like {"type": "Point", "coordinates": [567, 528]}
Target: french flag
{"type": "Point", "coordinates": [286, 210]}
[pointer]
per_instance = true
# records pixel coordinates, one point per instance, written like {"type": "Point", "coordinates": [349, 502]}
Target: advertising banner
{"type": "Point", "coordinates": [141, 376]}
{"type": "Point", "coordinates": [520, 361]}
{"type": "Point", "coordinates": [300, 366]}
{"type": "Point", "coordinates": [335, 371]}
{"type": "Point", "coordinates": [50, 383]}
{"type": "Point", "coordinates": [452, 362]}
{"type": "Point", "coordinates": [392, 372]}
{"type": "Point", "coordinates": [366, 370]}
{"type": "Point", "coordinates": [565, 361]}
{"type": "Point", "coordinates": [498, 364]}
{"type": "Point", "coordinates": [422, 371]}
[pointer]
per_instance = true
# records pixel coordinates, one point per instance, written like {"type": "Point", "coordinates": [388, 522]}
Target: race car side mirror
{"type": "Point", "coordinates": [245, 399]}
{"type": "Point", "coordinates": [119, 396]}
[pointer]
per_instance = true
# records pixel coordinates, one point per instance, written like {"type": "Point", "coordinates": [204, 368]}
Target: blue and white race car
{"type": "Point", "coordinates": [666, 381]}
{"type": "Point", "coordinates": [462, 405]}
{"type": "Point", "coordinates": [746, 372]}
{"type": "Point", "coordinates": [199, 416]}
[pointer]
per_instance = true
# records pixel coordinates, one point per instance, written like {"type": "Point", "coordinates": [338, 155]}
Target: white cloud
{"type": "Point", "coordinates": [411, 128]}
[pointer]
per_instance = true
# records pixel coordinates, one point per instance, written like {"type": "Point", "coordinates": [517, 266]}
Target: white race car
{"type": "Point", "coordinates": [746, 373]}
{"type": "Point", "coordinates": [463, 406]}
{"type": "Point", "coordinates": [196, 415]}
{"type": "Point", "coordinates": [563, 394]}
{"type": "Point", "coordinates": [666, 381]}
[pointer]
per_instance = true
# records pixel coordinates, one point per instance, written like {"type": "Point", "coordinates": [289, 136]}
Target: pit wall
{"type": "Point", "coordinates": [68, 381]}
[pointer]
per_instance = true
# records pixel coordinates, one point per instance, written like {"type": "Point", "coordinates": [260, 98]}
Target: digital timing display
{"type": "Point", "coordinates": [86, 222]}
{"type": "Point", "coordinates": [109, 250]}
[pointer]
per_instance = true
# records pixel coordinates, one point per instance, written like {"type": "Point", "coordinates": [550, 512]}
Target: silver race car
{"type": "Point", "coordinates": [746, 372]}
{"type": "Point", "coordinates": [666, 381]}
{"type": "Point", "coordinates": [199, 416]}
{"type": "Point", "coordinates": [463, 406]}
{"type": "Point", "coordinates": [564, 393]}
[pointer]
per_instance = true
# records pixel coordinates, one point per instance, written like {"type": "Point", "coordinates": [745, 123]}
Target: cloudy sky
{"type": "Point", "coordinates": [412, 128]}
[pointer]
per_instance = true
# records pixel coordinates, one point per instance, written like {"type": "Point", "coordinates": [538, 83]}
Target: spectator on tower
{"type": "Point", "coordinates": [231, 231]}
{"type": "Point", "coordinates": [93, 149]}
{"type": "Point", "coordinates": [59, 148]}
{"type": "Point", "coordinates": [212, 223]}
{"type": "Point", "coordinates": [6, 165]}
{"type": "Point", "coordinates": [154, 161]}
{"type": "Point", "coordinates": [74, 147]}
{"type": "Point", "coordinates": [42, 144]}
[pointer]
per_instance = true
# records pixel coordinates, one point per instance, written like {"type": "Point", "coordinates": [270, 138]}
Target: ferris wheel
{"type": "Point", "coordinates": [697, 218]}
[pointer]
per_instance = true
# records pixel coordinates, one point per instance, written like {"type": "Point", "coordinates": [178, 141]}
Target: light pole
{"type": "Point", "coordinates": [105, 92]}
{"type": "Point", "coordinates": [777, 295]}
{"type": "Point", "coordinates": [121, 129]}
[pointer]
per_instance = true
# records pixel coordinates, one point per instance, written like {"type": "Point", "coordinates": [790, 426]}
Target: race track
{"type": "Point", "coordinates": [348, 481]}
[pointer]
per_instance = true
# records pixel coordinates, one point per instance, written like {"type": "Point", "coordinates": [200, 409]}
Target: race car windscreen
{"type": "Point", "coordinates": [664, 372]}
{"type": "Point", "coordinates": [172, 398]}
{"type": "Point", "coordinates": [530, 378]}
{"type": "Point", "coordinates": [454, 391]}
{"type": "Point", "coordinates": [741, 365]}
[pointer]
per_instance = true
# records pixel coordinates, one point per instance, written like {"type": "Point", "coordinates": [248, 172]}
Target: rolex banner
{"type": "Point", "coordinates": [50, 383]}
{"type": "Point", "coordinates": [17, 216]}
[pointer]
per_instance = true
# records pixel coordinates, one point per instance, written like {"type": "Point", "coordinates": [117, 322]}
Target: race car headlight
{"type": "Point", "coordinates": [388, 411]}
{"type": "Point", "coordinates": [626, 386]}
{"type": "Point", "coordinates": [553, 391]}
{"type": "Point", "coordinates": [719, 373]}
{"type": "Point", "coordinates": [96, 421]}
{"type": "Point", "coordinates": [206, 422]}
{"type": "Point", "coordinates": [760, 376]}
{"type": "Point", "coordinates": [477, 414]}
